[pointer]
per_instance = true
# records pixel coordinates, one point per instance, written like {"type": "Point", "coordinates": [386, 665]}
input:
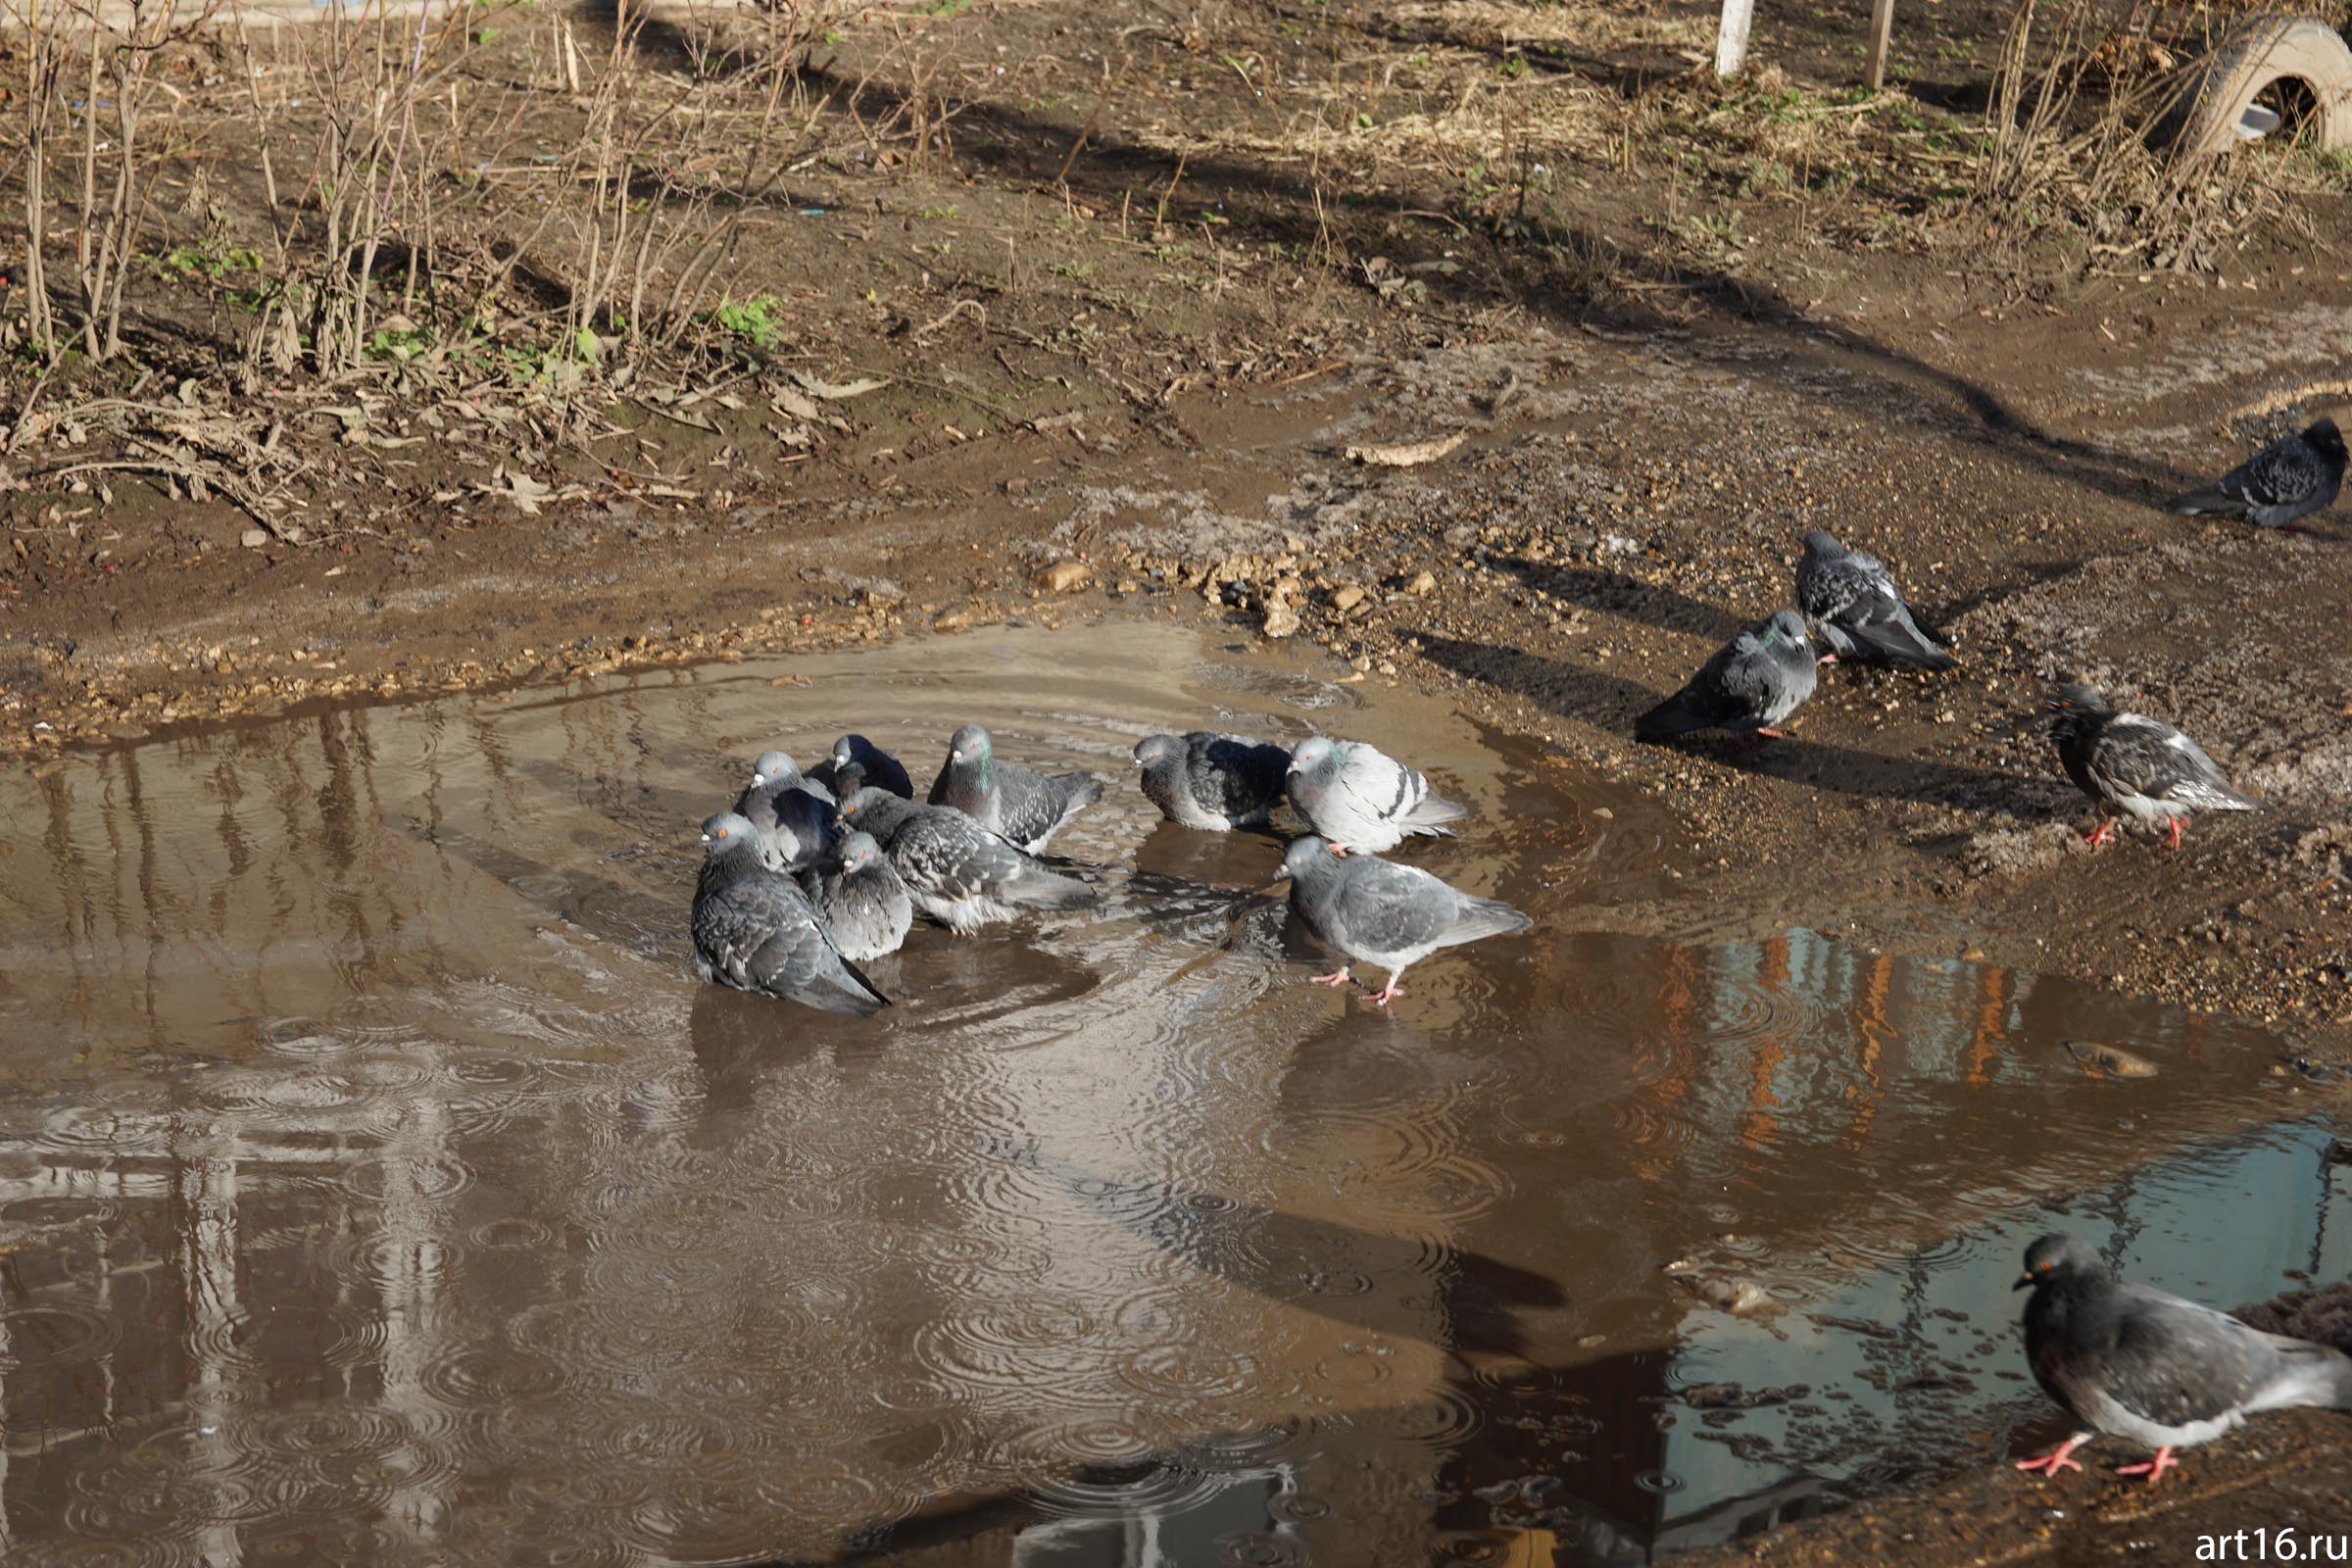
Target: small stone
{"type": "Point", "coordinates": [1281, 621]}
{"type": "Point", "coordinates": [1065, 577]}
{"type": "Point", "coordinates": [1425, 582]}
{"type": "Point", "coordinates": [952, 621]}
{"type": "Point", "coordinates": [254, 538]}
{"type": "Point", "coordinates": [1347, 598]}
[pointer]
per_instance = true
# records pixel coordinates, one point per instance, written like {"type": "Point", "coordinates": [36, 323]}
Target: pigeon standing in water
{"type": "Point", "coordinates": [1376, 911]}
{"type": "Point", "coordinates": [1753, 682]}
{"type": "Point", "coordinates": [1023, 806]}
{"type": "Point", "coordinates": [1854, 605]}
{"type": "Point", "coordinates": [2132, 1362]}
{"type": "Point", "coordinates": [794, 814]}
{"type": "Point", "coordinates": [871, 766]}
{"type": "Point", "coordinates": [867, 909]}
{"type": "Point", "coordinates": [2291, 477]}
{"type": "Point", "coordinates": [1358, 798]}
{"type": "Point", "coordinates": [2128, 763]}
{"type": "Point", "coordinates": [753, 930]}
{"type": "Point", "coordinates": [1206, 780]}
{"type": "Point", "coordinates": [956, 871]}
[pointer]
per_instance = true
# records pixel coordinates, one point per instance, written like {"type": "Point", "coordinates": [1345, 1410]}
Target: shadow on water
{"type": "Point", "coordinates": [378, 1186]}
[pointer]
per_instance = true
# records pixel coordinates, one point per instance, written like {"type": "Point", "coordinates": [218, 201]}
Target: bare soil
{"type": "Point", "coordinates": [1006, 380]}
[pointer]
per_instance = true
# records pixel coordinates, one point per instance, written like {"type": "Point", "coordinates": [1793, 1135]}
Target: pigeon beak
{"type": "Point", "coordinates": [2024, 1282]}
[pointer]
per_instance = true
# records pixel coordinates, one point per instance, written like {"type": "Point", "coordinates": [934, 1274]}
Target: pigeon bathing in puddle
{"type": "Point", "coordinates": [956, 871]}
{"type": "Point", "coordinates": [1358, 798]}
{"type": "Point", "coordinates": [2132, 1362]}
{"type": "Point", "coordinates": [1023, 806]}
{"type": "Point", "coordinates": [2128, 763]}
{"type": "Point", "coordinates": [1212, 781]}
{"type": "Point", "coordinates": [869, 764]}
{"type": "Point", "coordinates": [1375, 911]}
{"type": "Point", "coordinates": [1855, 607]}
{"type": "Point", "coordinates": [755, 930]}
{"type": "Point", "coordinates": [2291, 477]}
{"type": "Point", "coordinates": [1752, 683]}
{"type": "Point", "coordinates": [794, 815]}
{"type": "Point", "coordinates": [864, 905]}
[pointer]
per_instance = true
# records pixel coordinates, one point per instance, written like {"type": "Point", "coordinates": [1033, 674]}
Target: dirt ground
{"type": "Point", "coordinates": [998, 378]}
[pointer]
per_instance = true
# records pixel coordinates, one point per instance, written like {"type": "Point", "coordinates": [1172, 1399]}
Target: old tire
{"type": "Point", "coordinates": [2299, 49]}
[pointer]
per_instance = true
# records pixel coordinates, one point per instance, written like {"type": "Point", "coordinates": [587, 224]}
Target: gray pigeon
{"type": "Point", "coordinates": [2291, 477]}
{"type": "Point", "coordinates": [1207, 780]}
{"type": "Point", "coordinates": [1376, 911]}
{"type": "Point", "coordinates": [794, 815]}
{"type": "Point", "coordinates": [1022, 806]}
{"type": "Point", "coordinates": [1855, 608]}
{"type": "Point", "coordinates": [2132, 1362]}
{"type": "Point", "coordinates": [956, 871]}
{"type": "Point", "coordinates": [753, 930]}
{"type": "Point", "coordinates": [865, 906]}
{"type": "Point", "coordinates": [1753, 682]}
{"type": "Point", "coordinates": [855, 756]}
{"type": "Point", "coordinates": [1358, 798]}
{"type": "Point", "coordinates": [2128, 763]}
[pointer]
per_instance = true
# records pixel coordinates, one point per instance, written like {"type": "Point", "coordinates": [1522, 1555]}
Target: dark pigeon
{"type": "Point", "coordinates": [1359, 798]}
{"type": "Point", "coordinates": [956, 871]}
{"type": "Point", "coordinates": [2128, 763]}
{"type": "Point", "coordinates": [1753, 682]}
{"type": "Point", "coordinates": [2132, 1362]}
{"type": "Point", "coordinates": [1855, 608]}
{"type": "Point", "coordinates": [1024, 808]}
{"type": "Point", "coordinates": [854, 755]}
{"type": "Point", "coordinates": [1212, 781]}
{"type": "Point", "coordinates": [1376, 911]}
{"type": "Point", "coordinates": [2291, 477]}
{"type": "Point", "coordinates": [753, 930]}
{"type": "Point", "coordinates": [867, 909]}
{"type": "Point", "coordinates": [794, 815]}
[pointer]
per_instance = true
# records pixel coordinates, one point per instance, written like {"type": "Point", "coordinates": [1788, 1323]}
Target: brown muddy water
{"type": "Point", "coordinates": [377, 1185]}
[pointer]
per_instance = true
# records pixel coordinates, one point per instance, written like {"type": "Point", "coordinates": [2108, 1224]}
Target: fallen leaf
{"type": "Point", "coordinates": [1408, 455]}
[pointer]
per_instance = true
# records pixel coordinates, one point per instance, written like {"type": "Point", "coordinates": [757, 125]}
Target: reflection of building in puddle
{"type": "Point", "coordinates": [1242, 1519]}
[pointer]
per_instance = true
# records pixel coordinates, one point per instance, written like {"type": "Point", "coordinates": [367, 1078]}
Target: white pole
{"type": "Point", "coordinates": [1731, 42]}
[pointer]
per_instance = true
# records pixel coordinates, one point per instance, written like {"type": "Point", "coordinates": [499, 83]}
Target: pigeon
{"type": "Point", "coordinates": [956, 871]}
{"type": "Point", "coordinates": [2291, 477]}
{"type": "Point", "coordinates": [1024, 808]}
{"type": "Point", "coordinates": [1753, 682]}
{"type": "Point", "coordinates": [794, 815]}
{"type": "Point", "coordinates": [2132, 1362]}
{"type": "Point", "coordinates": [755, 930]}
{"type": "Point", "coordinates": [1358, 798]}
{"type": "Point", "coordinates": [871, 764]}
{"type": "Point", "coordinates": [1377, 912]}
{"type": "Point", "coordinates": [865, 906]}
{"type": "Point", "coordinates": [2130, 762]}
{"type": "Point", "coordinates": [1855, 607]}
{"type": "Point", "coordinates": [1207, 780]}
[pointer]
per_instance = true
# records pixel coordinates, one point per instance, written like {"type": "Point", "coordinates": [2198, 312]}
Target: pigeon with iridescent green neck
{"type": "Point", "coordinates": [1019, 805]}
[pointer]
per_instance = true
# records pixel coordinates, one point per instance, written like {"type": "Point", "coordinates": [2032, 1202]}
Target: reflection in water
{"type": "Point", "coordinates": [378, 1186]}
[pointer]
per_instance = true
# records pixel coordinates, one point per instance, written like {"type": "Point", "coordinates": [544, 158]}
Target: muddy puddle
{"type": "Point", "coordinates": [377, 1185]}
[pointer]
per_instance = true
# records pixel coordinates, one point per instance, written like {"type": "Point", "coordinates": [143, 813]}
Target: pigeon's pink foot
{"type": "Point", "coordinates": [2153, 1469]}
{"type": "Point", "coordinates": [2058, 1458]}
{"type": "Point", "coordinates": [1767, 732]}
{"type": "Point", "coordinates": [1387, 993]}
{"type": "Point", "coordinates": [2177, 825]}
{"type": "Point", "coordinates": [1339, 979]}
{"type": "Point", "coordinates": [2106, 831]}
{"type": "Point", "coordinates": [1826, 659]}
{"type": "Point", "coordinates": [1336, 848]}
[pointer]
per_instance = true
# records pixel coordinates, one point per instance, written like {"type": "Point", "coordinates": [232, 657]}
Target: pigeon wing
{"type": "Point", "coordinates": [1376, 907]}
{"type": "Point", "coordinates": [2135, 754]}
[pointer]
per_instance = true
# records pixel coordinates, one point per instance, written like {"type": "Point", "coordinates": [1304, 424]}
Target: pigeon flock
{"type": "Point", "coordinates": [809, 874]}
{"type": "Point", "coordinates": [1850, 610]}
